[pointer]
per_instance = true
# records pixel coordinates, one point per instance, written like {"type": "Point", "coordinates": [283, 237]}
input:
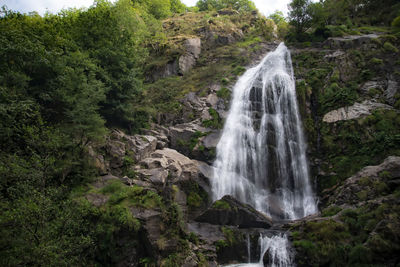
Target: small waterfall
{"type": "Point", "coordinates": [261, 158]}
{"type": "Point", "coordinates": [277, 249]}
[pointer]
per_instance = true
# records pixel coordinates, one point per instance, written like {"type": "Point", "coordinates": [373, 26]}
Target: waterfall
{"type": "Point", "coordinates": [277, 249]}
{"type": "Point", "coordinates": [261, 156]}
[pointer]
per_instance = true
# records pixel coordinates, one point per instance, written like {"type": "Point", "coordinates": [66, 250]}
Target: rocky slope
{"type": "Point", "coordinates": [348, 92]}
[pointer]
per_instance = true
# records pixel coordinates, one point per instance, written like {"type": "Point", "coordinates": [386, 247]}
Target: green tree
{"type": "Point", "coordinates": [299, 15]}
{"type": "Point", "coordinates": [280, 22]}
{"type": "Point", "coordinates": [239, 5]}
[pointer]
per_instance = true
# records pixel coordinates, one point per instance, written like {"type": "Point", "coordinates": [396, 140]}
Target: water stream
{"type": "Point", "coordinates": [261, 156]}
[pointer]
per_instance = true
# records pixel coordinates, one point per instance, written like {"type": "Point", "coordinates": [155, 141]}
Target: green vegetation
{"type": "Point", "coordinates": [239, 5]}
{"type": "Point", "coordinates": [215, 122]}
{"type": "Point", "coordinates": [316, 21]}
{"type": "Point", "coordinates": [351, 145]}
{"type": "Point", "coordinates": [358, 238]}
{"type": "Point", "coordinates": [221, 204]}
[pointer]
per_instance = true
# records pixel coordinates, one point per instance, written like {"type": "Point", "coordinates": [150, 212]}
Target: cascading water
{"type": "Point", "coordinates": [261, 157]}
{"type": "Point", "coordinates": [277, 249]}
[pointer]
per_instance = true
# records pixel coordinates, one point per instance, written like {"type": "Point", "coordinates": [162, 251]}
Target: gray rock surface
{"type": "Point", "coordinates": [351, 41]}
{"type": "Point", "coordinates": [353, 112]}
{"type": "Point", "coordinates": [229, 211]}
{"type": "Point", "coordinates": [192, 51]}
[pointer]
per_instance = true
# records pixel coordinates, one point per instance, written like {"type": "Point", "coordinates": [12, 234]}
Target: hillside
{"type": "Point", "coordinates": [110, 118]}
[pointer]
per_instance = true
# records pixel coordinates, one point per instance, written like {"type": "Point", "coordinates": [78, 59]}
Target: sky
{"type": "Point", "coordinates": [41, 6]}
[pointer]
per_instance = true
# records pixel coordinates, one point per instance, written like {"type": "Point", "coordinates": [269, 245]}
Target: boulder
{"type": "Point", "coordinates": [167, 164]}
{"type": "Point", "coordinates": [354, 112]}
{"type": "Point", "coordinates": [186, 63]}
{"type": "Point", "coordinates": [116, 149]}
{"type": "Point", "coordinates": [211, 140]}
{"type": "Point", "coordinates": [229, 211]}
{"type": "Point", "coordinates": [141, 145]}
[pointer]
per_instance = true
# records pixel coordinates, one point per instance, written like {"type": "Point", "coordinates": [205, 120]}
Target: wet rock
{"type": "Point", "coordinates": [229, 211]}
{"type": "Point", "coordinates": [353, 112]}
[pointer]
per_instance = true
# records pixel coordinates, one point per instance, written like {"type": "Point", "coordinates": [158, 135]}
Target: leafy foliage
{"type": "Point", "coordinates": [239, 5]}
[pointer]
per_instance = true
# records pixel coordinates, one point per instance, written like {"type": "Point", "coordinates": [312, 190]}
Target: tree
{"type": "Point", "coordinates": [280, 22]}
{"type": "Point", "coordinates": [299, 15]}
{"type": "Point", "coordinates": [239, 5]}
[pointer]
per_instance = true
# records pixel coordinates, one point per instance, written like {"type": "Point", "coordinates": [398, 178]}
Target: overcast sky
{"type": "Point", "coordinates": [265, 6]}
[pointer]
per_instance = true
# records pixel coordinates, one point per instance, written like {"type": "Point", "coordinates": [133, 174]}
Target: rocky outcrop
{"type": "Point", "coordinates": [369, 183]}
{"type": "Point", "coordinates": [167, 163]}
{"type": "Point", "coordinates": [181, 134]}
{"type": "Point", "coordinates": [192, 51]}
{"type": "Point", "coordinates": [391, 90]}
{"type": "Point", "coordinates": [351, 41]}
{"type": "Point", "coordinates": [353, 112]}
{"type": "Point", "coordinates": [229, 211]}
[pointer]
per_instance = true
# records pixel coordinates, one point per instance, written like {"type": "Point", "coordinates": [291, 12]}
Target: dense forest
{"type": "Point", "coordinates": [69, 80]}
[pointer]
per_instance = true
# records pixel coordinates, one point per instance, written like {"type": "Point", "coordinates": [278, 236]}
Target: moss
{"type": "Point", "coordinates": [215, 122]}
{"type": "Point", "coordinates": [362, 195]}
{"type": "Point", "coordinates": [239, 70]}
{"type": "Point", "coordinates": [224, 93]}
{"type": "Point", "coordinates": [230, 236]}
{"type": "Point", "coordinates": [385, 175]}
{"type": "Point", "coordinates": [373, 92]}
{"type": "Point", "coordinates": [359, 254]}
{"type": "Point", "coordinates": [194, 200]}
{"type": "Point", "coordinates": [376, 61]}
{"type": "Point", "coordinates": [330, 211]}
{"type": "Point", "coordinates": [224, 81]}
{"type": "Point", "coordinates": [202, 260]}
{"type": "Point", "coordinates": [389, 47]}
{"type": "Point", "coordinates": [221, 204]}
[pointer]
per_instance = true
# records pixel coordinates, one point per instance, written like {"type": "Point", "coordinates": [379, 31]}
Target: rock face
{"type": "Point", "coordinates": [182, 133]}
{"type": "Point", "coordinates": [369, 183]}
{"type": "Point", "coordinates": [353, 112]}
{"type": "Point", "coordinates": [351, 41]}
{"type": "Point", "coordinates": [188, 59]}
{"type": "Point", "coordinates": [229, 211]}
